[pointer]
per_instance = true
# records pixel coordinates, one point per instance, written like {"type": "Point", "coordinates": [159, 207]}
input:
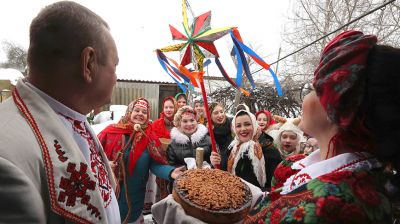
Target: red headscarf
{"type": "Point", "coordinates": [339, 79]}
{"type": "Point", "coordinates": [339, 82]}
{"type": "Point", "coordinates": [163, 125]}
{"type": "Point", "coordinates": [141, 139]}
{"type": "Point", "coordinates": [271, 121]}
{"type": "Point", "coordinates": [162, 115]}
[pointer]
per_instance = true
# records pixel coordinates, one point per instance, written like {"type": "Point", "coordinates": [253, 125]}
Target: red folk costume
{"type": "Point", "coordinates": [134, 160]}
{"type": "Point", "coordinates": [348, 187]}
{"type": "Point", "coordinates": [162, 129]}
{"type": "Point", "coordinates": [162, 126]}
{"type": "Point", "coordinates": [112, 138]}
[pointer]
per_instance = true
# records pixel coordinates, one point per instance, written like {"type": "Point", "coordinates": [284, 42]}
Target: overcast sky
{"type": "Point", "coordinates": [140, 27]}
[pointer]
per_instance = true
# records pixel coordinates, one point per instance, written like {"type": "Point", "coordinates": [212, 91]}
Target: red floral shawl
{"type": "Point", "coordinates": [111, 139]}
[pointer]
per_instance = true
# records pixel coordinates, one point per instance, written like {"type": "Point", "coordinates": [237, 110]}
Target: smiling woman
{"type": "Point", "coordinates": [133, 150]}
{"type": "Point", "coordinates": [186, 137]}
{"type": "Point", "coordinates": [246, 159]}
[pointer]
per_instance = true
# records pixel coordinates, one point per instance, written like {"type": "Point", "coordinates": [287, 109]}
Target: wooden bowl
{"type": "Point", "coordinates": [226, 216]}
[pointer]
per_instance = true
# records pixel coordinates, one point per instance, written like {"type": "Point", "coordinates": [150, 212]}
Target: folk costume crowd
{"type": "Point", "coordinates": [337, 163]}
{"type": "Point", "coordinates": [133, 148]}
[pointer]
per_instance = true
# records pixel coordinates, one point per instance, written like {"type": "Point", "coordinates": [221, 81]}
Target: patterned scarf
{"type": "Point", "coordinates": [339, 79]}
{"type": "Point", "coordinates": [141, 139]}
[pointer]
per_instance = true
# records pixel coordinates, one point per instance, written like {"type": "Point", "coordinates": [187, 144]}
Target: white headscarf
{"type": "Point", "coordinates": [258, 164]}
{"type": "Point", "coordinates": [253, 121]}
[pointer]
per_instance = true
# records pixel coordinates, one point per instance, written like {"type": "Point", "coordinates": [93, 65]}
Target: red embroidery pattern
{"type": "Point", "coordinates": [299, 179]}
{"type": "Point", "coordinates": [96, 163]}
{"type": "Point", "coordinates": [47, 161]}
{"type": "Point", "coordinates": [60, 152]}
{"type": "Point", "coordinates": [76, 186]}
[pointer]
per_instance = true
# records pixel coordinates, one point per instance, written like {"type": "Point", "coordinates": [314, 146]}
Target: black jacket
{"type": "Point", "coordinates": [183, 146]}
{"type": "Point", "coordinates": [223, 137]}
{"type": "Point", "coordinates": [272, 157]}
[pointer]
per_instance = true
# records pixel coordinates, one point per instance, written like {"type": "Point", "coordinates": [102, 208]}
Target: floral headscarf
{"type": "Point", "coordinates": [126, 123]}
{"type": "Point", "coordinates": [339, 79]}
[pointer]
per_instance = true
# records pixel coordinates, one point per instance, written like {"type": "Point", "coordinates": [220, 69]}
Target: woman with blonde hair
{"type": "Point", "coordinates": [186, 136]}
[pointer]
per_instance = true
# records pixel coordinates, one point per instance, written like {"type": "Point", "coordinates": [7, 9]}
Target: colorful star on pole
{"type": "Point", "coordinates": [198, 37]}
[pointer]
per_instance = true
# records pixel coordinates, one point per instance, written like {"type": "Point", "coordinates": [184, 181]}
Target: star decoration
{"type": "Point", "coordinates": [198, 39]}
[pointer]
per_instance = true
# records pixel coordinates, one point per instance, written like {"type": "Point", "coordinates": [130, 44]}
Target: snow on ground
{"type": "Point", "coordinates": [103, 119]}
{"type": "Point", "coordinates": [10, 74]}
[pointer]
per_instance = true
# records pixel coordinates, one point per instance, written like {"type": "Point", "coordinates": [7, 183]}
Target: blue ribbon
{"type": "Point", "coordinates": [162, 63]}
{"type": "Point", "coordinates": [247, 50]}
{"type": "Point", "coordinates": [244, 61]}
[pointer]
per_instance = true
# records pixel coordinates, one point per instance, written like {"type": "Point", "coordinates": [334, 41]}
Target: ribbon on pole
{"type": "Point", "coordinates": [168, 71]}
{"type": "Point", "coordinates": [240, 47]}
{"type": "Point", "coordinates": [225, 75]}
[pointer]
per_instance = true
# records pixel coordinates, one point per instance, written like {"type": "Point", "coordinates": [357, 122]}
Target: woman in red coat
{"type": "Point", "coordinates": [162, 128]}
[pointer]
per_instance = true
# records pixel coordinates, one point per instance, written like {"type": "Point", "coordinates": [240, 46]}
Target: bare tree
{"type": "Point", "coordinates": [312, 19]}
{"type": "Point", "coordinates": [264, 96]}
{"type": "Point", "coordinates": [16, 57]}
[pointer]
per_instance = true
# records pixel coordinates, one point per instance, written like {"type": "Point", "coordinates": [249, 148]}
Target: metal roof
{"type": "Point", "coordinates": [145, 81]}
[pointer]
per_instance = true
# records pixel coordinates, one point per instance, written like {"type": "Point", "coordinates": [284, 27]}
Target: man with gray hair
{"type": "Point", "coordinates": [52, 166]}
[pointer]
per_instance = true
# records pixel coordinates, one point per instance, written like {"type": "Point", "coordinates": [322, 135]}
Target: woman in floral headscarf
{"type": "Point", "coordinates": [134, 149]}
{"type": "Point", "coordinates": [349, 112]}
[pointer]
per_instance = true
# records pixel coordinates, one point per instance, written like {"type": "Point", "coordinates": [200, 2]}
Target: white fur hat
{"type": "Point", "coordinates": [289, 125]}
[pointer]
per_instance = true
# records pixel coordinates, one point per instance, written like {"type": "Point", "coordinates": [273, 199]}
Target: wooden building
{"type": "Point", "coordinates": [127, 90]}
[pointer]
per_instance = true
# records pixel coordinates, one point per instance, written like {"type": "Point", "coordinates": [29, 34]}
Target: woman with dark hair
{"type": "Point", "coordinates": [246, 158]}
{"type": "Point", "coordinates": [272, 156]}
{"type": "Point", "coordinates": [134, 150]}
{"type": "Point", "coordinates": [162, 129]}
{"type": "Point", "coordinates": [181, 100]}
{"type": "Point", "coordinates": [222, 128]}
{"type": "Point", "coordinates": [354, 115]}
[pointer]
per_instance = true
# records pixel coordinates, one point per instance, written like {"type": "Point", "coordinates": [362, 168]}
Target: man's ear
{"type": "Point", "coordinates": [88, 64]}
